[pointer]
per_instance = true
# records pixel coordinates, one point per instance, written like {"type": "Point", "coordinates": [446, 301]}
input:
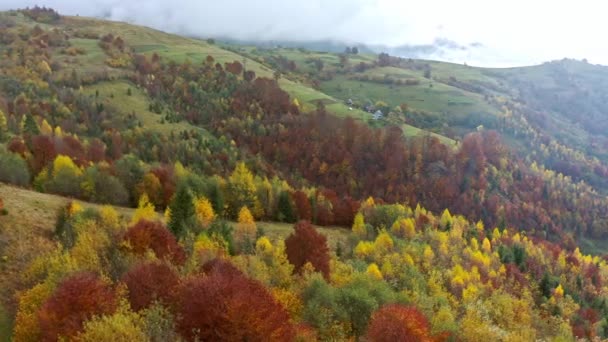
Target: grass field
{"type": "Point", "coordinates": [429, 95]}
{"type": "Point", "coordinates": [148, 41]}
{"type": "Point", "coordinates": [115, 94]}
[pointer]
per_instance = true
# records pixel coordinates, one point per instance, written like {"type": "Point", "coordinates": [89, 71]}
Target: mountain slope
{"type": "Point", "coordinates": [552, 114]}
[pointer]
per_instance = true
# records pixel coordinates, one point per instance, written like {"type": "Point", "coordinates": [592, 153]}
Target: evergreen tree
{"type": "Point", "coordinates": [286, 213]}
{"type": "Point", "coordinates": [30, 126]}
{"type": "Point", "coordinates": [182, 211]}
{"type": "Point", "coordinates": [3, 126]}
{"type": "Point", "coordinates": [216, 198]}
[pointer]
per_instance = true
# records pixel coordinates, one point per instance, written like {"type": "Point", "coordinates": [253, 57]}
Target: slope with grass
{"type": "Point", "coordinates": [27, 232]}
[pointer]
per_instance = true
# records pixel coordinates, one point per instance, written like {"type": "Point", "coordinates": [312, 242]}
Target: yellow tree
{"type": "Point", "coordinates": [244, 235]}
{"type": "Point", "coordinates": [374, 271]}
{"type": "Point", "coordinates": [486, 246]}
{"type": "Point", "coordinates": [446, 219]}
{"type": "Point", "coordinates": [3, 125]}
{"type": "Point", "coordinates": [26, 327]}
{"type": "Point", "coordinates": [109, 219]}
{"type": "Point", "coordinates": [151, 187]}
{"type": "Point", "coordinates": [404, 228]}
{"type": "Point", "coordinates": [241, 190]}
{"type": "Point", "coordinates": [145, 210]}
{"type": "Point", "coordinates": [279, 271]}
{"type": "Point", "coordinates": [64, 164]}
{"type": "Point", "coordinates": [359, 226]}
{"type": "Point", "coordinates": [203, 211]}
{"type": "Point", "coordinates": [58, 132]}
{"type": "Point", "coordinates": [45, 128]}
{"type": "Point", "coordinates": [124, 325]}
{"type": "Point", "coordinates": [428, 256]}
{"type": "Point", "coordinates": [383, 244]}
{"type": "Point", "coordinates": [88, 251]}
{"type": "Point", "coordinates": [66, 177]}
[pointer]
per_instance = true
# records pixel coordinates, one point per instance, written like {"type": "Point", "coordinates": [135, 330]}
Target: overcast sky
{"type": "Point", "coordinates": [515, 32]}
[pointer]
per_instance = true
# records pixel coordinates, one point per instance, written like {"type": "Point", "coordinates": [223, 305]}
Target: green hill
{"type": "Point", "coordinates": [457, 197]}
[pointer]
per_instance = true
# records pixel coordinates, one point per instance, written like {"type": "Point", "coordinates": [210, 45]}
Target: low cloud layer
{"type": "Point", "coordinates": [478, 32]}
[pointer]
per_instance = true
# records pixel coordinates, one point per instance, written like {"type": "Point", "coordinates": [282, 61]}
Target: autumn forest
{"type": "Point", "coordinates": [207, 196]}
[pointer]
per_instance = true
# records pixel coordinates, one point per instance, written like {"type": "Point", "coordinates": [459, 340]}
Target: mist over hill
{"type": "Point", "coordinates": [475, 32]}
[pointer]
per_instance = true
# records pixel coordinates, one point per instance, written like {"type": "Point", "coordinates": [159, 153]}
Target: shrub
{"type": "Point", "coordinates": [225, 305]}
{"type": "Point", "coordinates": [396, 322]}
{"type": "Point", "coordinates": [149, 282]}
{"type": "Point", "coordinates": [13, 169]}
{"type": "Point", "coordinates": [305, 245]}
{"type": "Point", "coordinates": [77, 299]}
{"type": "Point", "coordinates": [146, 235]}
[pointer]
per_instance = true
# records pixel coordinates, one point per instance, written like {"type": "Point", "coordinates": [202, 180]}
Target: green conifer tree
{"type": "Point", "coordinates": [182, 211]}
{"type": "Point", "coordinates": [286, 213]}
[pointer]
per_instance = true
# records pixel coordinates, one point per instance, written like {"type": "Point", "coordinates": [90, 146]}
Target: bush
{"type": "Point", "coordinates": [13, 169]}
{"type": "Point", "coordinates": [305, 245]}
{"type": "Point", "coordinates": [225, 305]}
{"type": "Point", "coordinates": [396, 322]}
{"type": "Point", "coordinates": [77, 299]}
{"type": "Point", "coordinates": [149, 282]}
{"type": "Point", "coordinates": [146, 235]}
{"type": "Point", "coordinates": [101, 187]}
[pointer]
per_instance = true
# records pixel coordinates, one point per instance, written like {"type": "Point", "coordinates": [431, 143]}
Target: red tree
{"type": "Point", "coordinates": [148, 282]}
{"type": "Point", "coordinates": [96, 150]}
{"type": "Point", "coordinates": [583, 323]}
{"type": "Point", "coordinates": [72, 147]}
{"type": "Point", "coordinates": [398, 323]}
{"type": "Point", "coordinates": [167, 180]}
{"type": "Point", "coordinates": [146, 235]}
{"type": "Point", "coordinates": [235, 67]}
{"type": "Point", "coordinates": [304, 245]}
{"type": "Point", "coordinates": [224, 305]}
{"type": "Point", "coordinates": [43, 152]}
{"type": "Point", "coordinates": [17, 145]}
{"type": "Point", "coordinates": [77, 299]}
{"type": "Point", "coordinates": [302, 205]}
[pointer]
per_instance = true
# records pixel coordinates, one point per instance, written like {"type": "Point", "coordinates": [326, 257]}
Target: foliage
{"type": "Point", "coordinates": [285, 210]}
{"type": "Point", "coordinates": [13, 169]}
{"type": "Point", "coordinates": [77, 299]}
{"type": "Point", "coordinates": [65, 177]}
{"type": "Point", "coordinates": [155, 236]}
{"type": "Point", "coordinates": [494, 257]}
{"type": "Point", "coordinates": [245, 232]}
{"type": "Point", "coordinates": [182, 211]}
{"type": "Point", "coordinates": [399, 323]}
{"type": "Point", "coordinates": [123, 325]}
{"type": "Point", "coordinates": [225, 305]}
{"type": "Point", "coordinates": [241, 190]}
{"type": "Point", "coordinates": [144, 211]}
{"type": "Point", "coordinates": [149, 282]}
{"type": "Point", "coordinates": [306, 245]}
{"type": "Point", "coordinates": [204, 212]}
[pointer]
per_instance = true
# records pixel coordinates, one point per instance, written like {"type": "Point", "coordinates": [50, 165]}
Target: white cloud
{"type": "Point", "coordinates": [513, 33]}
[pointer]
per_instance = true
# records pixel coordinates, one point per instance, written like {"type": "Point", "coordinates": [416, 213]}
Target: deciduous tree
{"type": "Point", "coordinates": [155, 236]}
{"type": "Point", "coordinates": [305, 245]}
{"type": "Point", "coordinates": [225, 305]}
{"type": "Point", "coordinates": [77, 299]}
{"type": "Point", "coordinates": [148, 282]}
{"type": "Point", "coordinates": [395, 322]}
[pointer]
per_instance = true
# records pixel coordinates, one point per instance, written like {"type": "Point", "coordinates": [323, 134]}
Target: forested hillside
{"type": "Point", "coordinates": [461, 196]}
